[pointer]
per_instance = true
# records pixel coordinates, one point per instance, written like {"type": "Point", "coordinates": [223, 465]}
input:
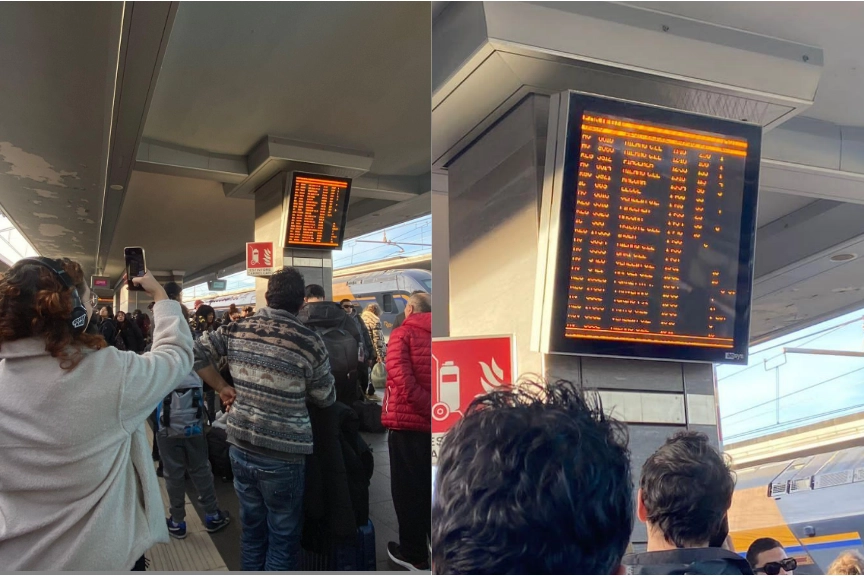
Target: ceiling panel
{"type": "Point", "coordinates": [54, 123]}
{"type": "Point", "coordinates": [354, 75]}
{"type": "Point", "coordinates": [833, 26]}
{"type": "Point", "coordinates": [830, 290]}
{"type": "Point", "coordinates": [182, 223]}
{"type": "Point", "coordinates": [774, 205]}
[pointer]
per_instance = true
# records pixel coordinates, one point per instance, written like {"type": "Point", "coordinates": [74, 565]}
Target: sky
{"type": "Point", "coordinates": [812, 388]}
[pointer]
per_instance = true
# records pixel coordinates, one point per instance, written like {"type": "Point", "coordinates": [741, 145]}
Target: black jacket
{"type": "Point", "coordinates": [131, 335]}
{"type": "Point", "coordinates": [687, 561]}
{"type": "Point", "coordinates": [328, 315]}
{"type": "Point", "coordinates": [108, 329]}
{"type": "Point", "coordinates": [336, 498]}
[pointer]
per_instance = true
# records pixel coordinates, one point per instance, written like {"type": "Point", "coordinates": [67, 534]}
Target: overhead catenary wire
{"type": "Point", "coordinates": [795, 421]}
{"type": "Point", "coordinates": [815, 336]}
{"type": "Point", "coordinates": [772, 401]}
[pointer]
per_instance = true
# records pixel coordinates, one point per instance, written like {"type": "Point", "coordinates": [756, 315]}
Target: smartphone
{"type": "Point", "coordinates": [135, 265]}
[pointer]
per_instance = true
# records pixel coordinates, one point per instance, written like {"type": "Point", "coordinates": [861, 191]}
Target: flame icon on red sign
{"type": "Point", "coordinates": [493, 377]}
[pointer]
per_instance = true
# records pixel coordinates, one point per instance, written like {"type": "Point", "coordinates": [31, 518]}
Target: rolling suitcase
{"type": "Point", "coordinates": [359, 557]}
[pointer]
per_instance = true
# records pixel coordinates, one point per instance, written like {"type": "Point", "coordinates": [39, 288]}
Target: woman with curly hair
{"type": "Point", "coordinates": [849, 562]}
{"type": "Point", "coordinates": [77, 487]}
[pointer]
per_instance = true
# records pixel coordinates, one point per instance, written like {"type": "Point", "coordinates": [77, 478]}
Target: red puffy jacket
{"type": "Point", "coordinates": [408, 399]}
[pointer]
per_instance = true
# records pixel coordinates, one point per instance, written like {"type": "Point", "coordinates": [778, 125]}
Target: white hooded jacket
{"type": "Point", "coordinates": [78, 490]}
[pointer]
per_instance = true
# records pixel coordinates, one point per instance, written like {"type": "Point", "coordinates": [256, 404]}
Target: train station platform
{"type": "Point", "coordinates": [220, 551]}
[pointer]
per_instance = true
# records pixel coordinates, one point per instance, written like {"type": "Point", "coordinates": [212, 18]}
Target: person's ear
{"type": "Point", "coordinates": [621, 570]}
{"type": "Point", "coordinates": [641, 512]}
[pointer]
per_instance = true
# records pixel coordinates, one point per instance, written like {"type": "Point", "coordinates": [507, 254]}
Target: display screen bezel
{"type": "Point", "coordinates": [343, 217]}
{"type": "Point", "coordinates": [558, 342]}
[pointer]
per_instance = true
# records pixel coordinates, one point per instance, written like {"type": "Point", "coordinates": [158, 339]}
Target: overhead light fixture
{"type": "Point", "coordinates": [845, 257]}
{"type": "Point", "coordinates": [117, 187]}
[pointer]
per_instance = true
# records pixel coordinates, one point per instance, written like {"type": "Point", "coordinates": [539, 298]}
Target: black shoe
{"type": "Point", "coordinates": [159, 470]}
{"type": "Point", "coordinates": [216, 521]}
{"type": "Point", "coordinates": [396, 556]}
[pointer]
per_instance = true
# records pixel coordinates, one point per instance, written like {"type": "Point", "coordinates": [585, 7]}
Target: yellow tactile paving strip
{"type": "Point", "coordinates": [195, 553]}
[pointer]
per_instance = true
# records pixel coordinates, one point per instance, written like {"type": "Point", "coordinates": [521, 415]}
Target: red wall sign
{"type": "Point", "coordinates": [464, 368]}
{"type": "Point", "coordinates": [259, 258]}
{"type": "Point", "coordinates": [100, 282]}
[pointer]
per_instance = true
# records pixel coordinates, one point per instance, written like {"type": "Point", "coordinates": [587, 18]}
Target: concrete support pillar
{"type": "Point", "coordinates": [494, 192]}
{"type": "Point", "coordinates": [440, 255]}
{"type": "Point", "coordinates": [315, 265]}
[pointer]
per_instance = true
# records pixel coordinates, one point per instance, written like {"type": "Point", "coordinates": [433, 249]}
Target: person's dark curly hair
{"type": "Point", "coordinates": [533, 481]}
{"type": "Point", "coordinates": [286, 290]}
{"type": "Point", "coordinates": [34, 302]}
{"type": "Point", "coordinates": [687, 489]}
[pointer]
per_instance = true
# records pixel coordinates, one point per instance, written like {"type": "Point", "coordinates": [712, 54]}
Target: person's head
{"type": "Point", "coordinates": [205, 314]}
{"type": "Point", "coordinates": [174, 291]}
{"type": "Point", "coordinates": [418, 303]}
{"type": "Point", "coordinates": [315, 293]}
{"type": "Point", "coordinates": [137, 313]}
{"type": "Point", "coordinates": [849, 562]}
{"type": "Point", "coordinates": [107, 312]}
{"type": "Point", "coordinates": [347, 305]}
{"type": "Point", "coordinates": [286, 290]}
{"type": "Point", "coordinates": [767, 556]}
{"type": "Point", "coordinates": [233, 313]}
{"type": "Point", "coordinates": [35, 302]}
{"type": "Point", "coordinates": [248, 311]}
{"type": "Point", "coordinates": [198, 303]}
{"type": "Point", "coordinates": [373, 308]}
{"type": "Point", "coordinates": [121, 316]}
{"type": "Point", "coordinates": [534, 481]}
{"type": "Point", "coordinates": [684, 492]}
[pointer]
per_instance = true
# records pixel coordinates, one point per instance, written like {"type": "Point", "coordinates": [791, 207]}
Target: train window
{"type": "Point", "coordinates": [389, 304]}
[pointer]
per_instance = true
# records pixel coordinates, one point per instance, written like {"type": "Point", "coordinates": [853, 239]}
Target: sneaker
{"type": "Point", "coordinates": [397, 558]}
{"type": "Point", "coordinates": [176, 529]}
{"type": "Point", "coordinates": [217, 521]}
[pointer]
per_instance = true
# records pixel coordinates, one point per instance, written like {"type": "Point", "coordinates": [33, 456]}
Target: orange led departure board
{"type": "Point", "coordinates": [661, 218]}
{"type": "Point", "coordinates": [317, 212]}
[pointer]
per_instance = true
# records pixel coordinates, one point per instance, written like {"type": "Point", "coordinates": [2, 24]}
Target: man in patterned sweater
{"type": "Point", "coordinates": [278, 365]}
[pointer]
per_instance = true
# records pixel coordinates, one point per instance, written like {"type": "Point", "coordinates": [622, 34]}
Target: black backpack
{"type": "Point", "coordinates": [217, 453]}
{"type": "Point", "coordinates": [342, 348]}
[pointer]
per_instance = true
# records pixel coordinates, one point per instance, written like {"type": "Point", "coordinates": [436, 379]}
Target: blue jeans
{"type": "Point", "coordinates": [270, 492]}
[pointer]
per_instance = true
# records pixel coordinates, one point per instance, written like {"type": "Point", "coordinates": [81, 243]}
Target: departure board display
{"type": "Point", "coordinates": [656, 256]}
{"type": "Point", "coordinates": [317, 212]}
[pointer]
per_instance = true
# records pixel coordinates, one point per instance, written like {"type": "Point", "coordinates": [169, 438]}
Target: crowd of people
{"type": "Point", "coordinates": [79, 488]}
{"type": "Point", "coordinates": [537, 480]}
{"type": "Point", "coordinates": [532, 480]}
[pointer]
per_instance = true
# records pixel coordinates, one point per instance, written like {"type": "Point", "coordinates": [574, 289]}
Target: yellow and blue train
{"type": "Point", "coordinates": [812, 505]}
